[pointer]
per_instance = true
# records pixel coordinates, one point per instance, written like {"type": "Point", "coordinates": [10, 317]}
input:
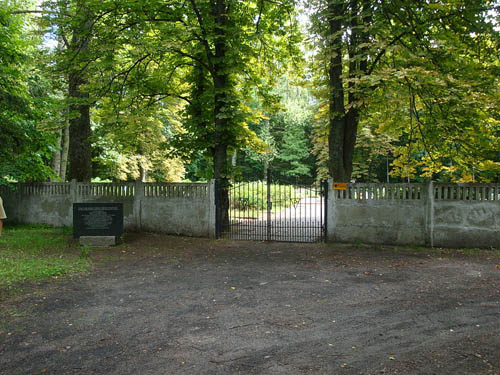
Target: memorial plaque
{"type": "Point", "coordinates": [97, 219]}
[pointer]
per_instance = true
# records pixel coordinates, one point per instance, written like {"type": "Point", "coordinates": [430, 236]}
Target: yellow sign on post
{"type": "Point", "coordinates": [339, 186]}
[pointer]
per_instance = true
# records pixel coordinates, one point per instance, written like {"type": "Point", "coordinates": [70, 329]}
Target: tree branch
{"type": "Point", "coordinates": [204, 40]}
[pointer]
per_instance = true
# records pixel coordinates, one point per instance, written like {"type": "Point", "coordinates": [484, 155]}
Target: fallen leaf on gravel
{"type": "Point", "coordinates": [367, 273]}
{"type": "Point", "coordinates": [391, 358]}
{"type": "Point", "coordinates": [497, 267]}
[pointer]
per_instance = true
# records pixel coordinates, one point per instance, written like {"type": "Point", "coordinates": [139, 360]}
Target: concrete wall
{"type": "Point", "coordinates": [433, 214]}
{"type": "Point", "coordinates": [172, 208]}
{"type": "Point", "coordinates": [444, 215]}
{"type": "Point", "coordinates": [466, 215]}
{"type": "Point", "coordinates": [187, 209]}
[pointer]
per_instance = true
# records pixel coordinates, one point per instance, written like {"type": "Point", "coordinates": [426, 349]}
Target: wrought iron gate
{"type": "Point", "coordinates": [273, 211]}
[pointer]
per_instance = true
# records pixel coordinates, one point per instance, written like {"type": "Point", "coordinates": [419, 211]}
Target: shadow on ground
{"type": "Point", "coordinates": [172, 305]}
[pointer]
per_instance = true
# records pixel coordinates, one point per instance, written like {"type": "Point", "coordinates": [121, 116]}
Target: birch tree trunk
{"type": "Point", "coordinates": [56, 157]}
{"type": "Point", "coordinates": [64, 153]}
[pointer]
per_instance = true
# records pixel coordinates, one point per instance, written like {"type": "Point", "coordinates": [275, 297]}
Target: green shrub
{"type": "Point", "coordinates": [253, 196]}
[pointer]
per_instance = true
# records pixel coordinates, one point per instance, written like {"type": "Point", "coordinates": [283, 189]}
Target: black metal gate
{"type": "Point", "coordinates": [273, 211]}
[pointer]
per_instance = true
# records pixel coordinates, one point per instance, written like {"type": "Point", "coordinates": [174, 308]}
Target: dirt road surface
{"type": "Point", "coordinates": [172, 305]}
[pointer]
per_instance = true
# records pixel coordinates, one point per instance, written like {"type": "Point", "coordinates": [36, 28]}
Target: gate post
{"type": "Point", "coordinates": [269, 205]}
{"type": "Point", "coordinates": [429, 213]}
{"type": "Point", "coordinates": [212, 209]}
{"type": "Point", "coordinates": [138, 197]}
{"type": "Point", "coordinates": [325, 185]}
{"type": "Point", "coordinates": [330, 211]}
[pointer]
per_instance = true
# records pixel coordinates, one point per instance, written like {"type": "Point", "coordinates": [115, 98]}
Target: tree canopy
{"type": "Point", "coordinates": [426, 73]}
{"type": "Point", "coordinates": [364, 90]}
{"type": "Point", "coordinates": [25, 150]}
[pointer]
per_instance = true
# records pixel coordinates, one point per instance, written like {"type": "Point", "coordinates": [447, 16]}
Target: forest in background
{"type": "Point", "coordinates": [167, 90]}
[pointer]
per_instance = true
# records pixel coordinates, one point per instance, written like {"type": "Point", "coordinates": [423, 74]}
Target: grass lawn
{"type": "Point", "coordinates": [31, 253]}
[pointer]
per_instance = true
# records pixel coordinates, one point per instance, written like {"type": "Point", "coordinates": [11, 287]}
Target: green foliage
{"type": "Point", "coordinates": [134, 145]}
{"type": "Point", "coordinates": [24, 149]}
{"type": "Point", "coordinates": [248, 196]}
{"type": "Point", "coordinates": [85, 252]}
{"type": "Point", "coordinates": [371, 155]}
{"type": "Point", "coordinates": [443, 85]}
{"type": "Point", "coordinates": [287, 136]}
{"type": "Point", "coordinates": [198, 82]}
{"type": "Point", "coordinates": [423, 74]}
{"type": "Point", "coordinates": [211, 56]}
{"type": "Point", "coordinates": [294, 156]}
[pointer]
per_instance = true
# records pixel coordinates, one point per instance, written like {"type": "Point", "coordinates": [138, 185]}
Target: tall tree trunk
{"type": "Point", "coordinates": [64, 153]}
{"type": "Point", "coordinates": [344, 123]}
{"type": "Point", "coordinates": [337, 120]}
{"type": "Point", "coordinates": [221, 92]}
{"type": "Point", "coordinates": [56, 156]}
{"type": "Point", "coordinates": [80, 153]}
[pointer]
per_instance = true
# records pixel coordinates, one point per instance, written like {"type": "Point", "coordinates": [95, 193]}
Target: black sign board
{"type": "Point", "coordinates": [97, 219]}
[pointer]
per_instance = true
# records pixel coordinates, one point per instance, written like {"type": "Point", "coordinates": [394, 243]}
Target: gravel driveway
{"type": "Point", "coordinates": [173, 305]}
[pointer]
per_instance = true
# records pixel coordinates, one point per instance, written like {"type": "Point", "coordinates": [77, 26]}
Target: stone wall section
{"type": "Point", "coordinates": [432, 214]}
{"type": "Point", "coordinates": [466, 215]}
{"type": "Point", "coordinates": [172, 208]}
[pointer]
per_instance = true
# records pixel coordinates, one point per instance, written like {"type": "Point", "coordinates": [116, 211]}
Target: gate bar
{"type": "Point", "coordinates": [325, 214]}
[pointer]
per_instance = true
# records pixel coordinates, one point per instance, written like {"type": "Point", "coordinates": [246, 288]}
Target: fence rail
{"type": "Point", "coordinates": [441, 191]}
{"type": "Point", "coordinates": [106, 189]}
{"type": "Point", "coordinates": [354, 191]}
{"type": "Point", "coordinates": [175, 190]}
{"type": "Point", "coordinates": [359, 191]}
{"type": "Point", "coordinates": [467, 192]}
{"type": "Point", "coordinates": [118, 190]}
{"type": "Point", "coordinates": [48, 188]}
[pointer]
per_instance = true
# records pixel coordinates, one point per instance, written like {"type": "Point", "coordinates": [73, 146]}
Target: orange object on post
{"type": "Point", "coordinates": [339, 186]}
